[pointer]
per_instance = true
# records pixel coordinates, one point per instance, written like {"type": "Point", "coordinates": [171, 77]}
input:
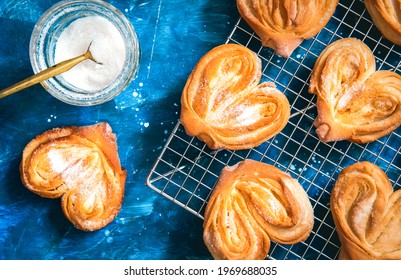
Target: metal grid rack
{"type": "Point", "coordinates": [187, 170]}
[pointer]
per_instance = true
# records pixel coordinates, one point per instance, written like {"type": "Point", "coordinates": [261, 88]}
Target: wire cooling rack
{"type": "Point", "coordinates": [187, 170]}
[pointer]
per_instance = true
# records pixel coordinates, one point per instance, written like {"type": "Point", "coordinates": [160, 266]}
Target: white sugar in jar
{"type": "Point", "coordinates": [65, 30]}
{"type": "Point", "coordinates": [106, 45]}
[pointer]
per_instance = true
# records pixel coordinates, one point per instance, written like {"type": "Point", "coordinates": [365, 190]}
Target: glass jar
{"type": "Point", "coordinates": [43, 44]}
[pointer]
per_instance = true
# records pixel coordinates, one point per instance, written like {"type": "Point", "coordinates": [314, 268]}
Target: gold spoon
{"type": "Point", "coordinates": [48, 73]}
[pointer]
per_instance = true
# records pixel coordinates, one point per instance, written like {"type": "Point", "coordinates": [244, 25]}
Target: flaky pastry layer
{"type": "Point", "coordinates": [367, 213]}
{"type": "Point", "coordinates": [81, 166]}
{"type": "Point", "coordinates": [283, 24]}
{"type": "Point", "coordinates": [386, 17]}
{"type": "Point", "coordinates": [224, 105]}
{"type": "Point", "coordinates": [354, 101]}
{"type": "Point", "coordinates": [251, 204]}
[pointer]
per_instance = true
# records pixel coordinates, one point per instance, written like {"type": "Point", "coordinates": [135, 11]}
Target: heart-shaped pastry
{"type": "Point", "coordinates": [354, 101]}
{"type": "Point", "coordinates": [251, 204]}
{"type": "Point", "coordinates": [224, 105]}
{"type": "Point", "coordinates": [283, 24]}
{"type": "Point", "coordinates": [386, 17]}
{"type": "Point", "coordinates": [80, 165]}
{"type": "Point", "coordinates": [367, 213]}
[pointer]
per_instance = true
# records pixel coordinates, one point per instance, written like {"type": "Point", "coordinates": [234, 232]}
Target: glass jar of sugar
{"type": "Point", "coordinates": [66, 30]}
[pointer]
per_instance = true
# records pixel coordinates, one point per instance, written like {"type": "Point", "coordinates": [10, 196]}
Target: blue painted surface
{"type": "Point", "coordinates": [173, 35]}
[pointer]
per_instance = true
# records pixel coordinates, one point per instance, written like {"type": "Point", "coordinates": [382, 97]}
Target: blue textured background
{"type": "Point", "coordinates": [173, 35]}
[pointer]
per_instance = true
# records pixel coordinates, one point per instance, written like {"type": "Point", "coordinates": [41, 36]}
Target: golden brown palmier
{"type": "Point", "coordinates": [367, 213]}
{"type": "Point", "coordinates": [251, 204]}
{"type": "Point", "coordinates": [283, 24]}
{"type": "Point", "coordinates": [224, 105]}
{"type": "Point", "coordinates": [81, 165]}
{"type": "Point", "coordinates": [386, 17]}
{"type": "Point", "coordinates": [354, 101]}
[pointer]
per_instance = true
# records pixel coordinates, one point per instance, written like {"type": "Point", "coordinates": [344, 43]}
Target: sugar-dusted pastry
{"type": "Point", "coordinates": [283, 24]}
{"type": "Point", "coordinates": [251, 204]}
{"type": "Point", "coordinates": [386, 17]}
{"type": "Point", "coordinates": [81, 165]}
{"type": "Point", "coordinates": [224, 105]}
{"type": "Point", "coordinates": [354, 101]}
{"type": "Point", "coordinates": [367, 213]}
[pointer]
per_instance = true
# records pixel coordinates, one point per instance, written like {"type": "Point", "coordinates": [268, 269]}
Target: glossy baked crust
{"type": "Point", "coordinates": [367, 213]}
{"type": "Point", "coordinates": [386, 17]}
{"type": "Point", "coordinates": [81, 165]}
{"type": "Point", "coordinates": [224, 105]}
{"type": "Point", "coordinates": [251, 204]}
{"type": "Point", "coordinates": [354, 101]}
{"type": "Point", "coordinates": [283, 24]}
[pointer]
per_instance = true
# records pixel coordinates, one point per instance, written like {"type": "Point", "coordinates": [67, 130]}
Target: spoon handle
{"type": "Point", "coordinates": [48, 73]}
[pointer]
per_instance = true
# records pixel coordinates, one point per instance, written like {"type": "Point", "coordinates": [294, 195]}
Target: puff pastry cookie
{"type": "Point", "coordinates": [283, 24]}
{"type": "Point", "coordinates": [224, 105]}
{"type": "Point", "coordinates": [80, 165]}
{"type": "Point", "coordinates": [367, 213]}
{"type": "Point", "coordinates": [254, 203]}
{"type": "Point", "coordinates": [386, 17]}
{"type": "Point", "coordinates": [354, 101]}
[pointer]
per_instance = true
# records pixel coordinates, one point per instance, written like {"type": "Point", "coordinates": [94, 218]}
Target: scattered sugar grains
{"type": "Point", "coordinates": [106, 45]}
{"type": "Point", "coordinates": [51, 117]}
